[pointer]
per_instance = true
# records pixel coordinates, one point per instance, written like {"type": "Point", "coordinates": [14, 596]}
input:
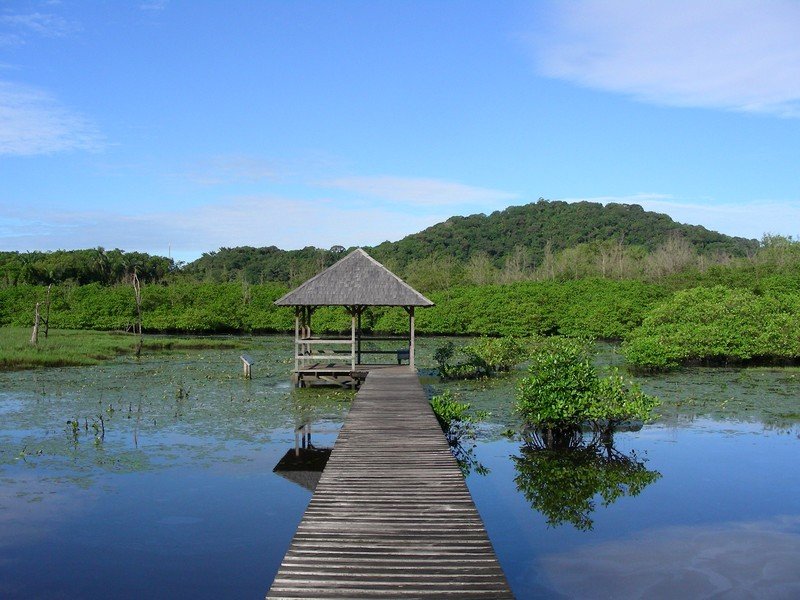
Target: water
{"type": "Point", "coordinates": [178, 498]}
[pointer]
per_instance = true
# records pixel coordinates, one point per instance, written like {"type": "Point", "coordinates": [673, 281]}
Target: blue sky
{"type": "Point", "coordinates": [194, 125]}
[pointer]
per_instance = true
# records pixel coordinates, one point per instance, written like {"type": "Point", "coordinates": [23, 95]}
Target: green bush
{"type": "Point", "coordinates": [717, 325]}
{"type": "Point", "coordinates": [482, 358]}
{"type": "Point", "coordinates": [498, 354]}
{"type": "Point", "coordinates": [564, 393]}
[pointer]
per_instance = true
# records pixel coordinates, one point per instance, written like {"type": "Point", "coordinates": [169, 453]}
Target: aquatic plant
{"type": "Point", "coordinates": [458, 422]}
{"type": "Point", "coordinates": [563, 392]}
{"type": "Point", "coordinates": [481, 358]}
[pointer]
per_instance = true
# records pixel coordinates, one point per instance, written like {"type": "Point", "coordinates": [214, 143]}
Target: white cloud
{"type": "Point", "coordinates": [745, 219]}
{"type": "Point", "coordinates": [33, 122]}
{"type": "Point", "coordinates": [756, 559]}
{"type": "Point", "coordinates": [220, 170]}
{"type": "Point", "coordinates": [419, 191]}
{"type": "Point", "coordinates": [254, 220]}
{"type": "Point", "coordinates": [10, 39]}
{"type": "Point", "coordinates": [741, 55]}
{"type": "Point", "coordinates": [154, 5]}
{"type": "Point", "coordinates": [44, 24]}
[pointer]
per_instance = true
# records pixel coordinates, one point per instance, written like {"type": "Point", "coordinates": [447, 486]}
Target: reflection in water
{"type": "Point", "coordinates": [744, 559]}
{"type": "Point", "coordinates": [560, 474]}
{"type": "Point", "coordinates": [460, 435]}
{"type": "Point", "coordinates": [304, 463]}
{"type": "Point", "coordinates": [464, 452]}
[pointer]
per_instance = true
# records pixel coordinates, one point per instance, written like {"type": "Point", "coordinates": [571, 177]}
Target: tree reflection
{"type": "Point", "coordinates": [458, 422]}
{"type": "Point", "coordinates": [561, 475]}
{"type": "Point", "coordinates": [463, 449]}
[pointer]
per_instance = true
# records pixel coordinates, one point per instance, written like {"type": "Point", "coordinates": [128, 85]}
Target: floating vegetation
{"type": "Point", "coordinates": [68, 348]}
{"type": "Point", "coordinates": [136, 411]}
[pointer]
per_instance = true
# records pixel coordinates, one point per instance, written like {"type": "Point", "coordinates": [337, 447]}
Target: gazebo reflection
{"type": "Point", "coordinates": [304, 463]}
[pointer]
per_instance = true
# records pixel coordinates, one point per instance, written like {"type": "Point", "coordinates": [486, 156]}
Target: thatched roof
{"type": "Point", "coordinates": [356, 280]}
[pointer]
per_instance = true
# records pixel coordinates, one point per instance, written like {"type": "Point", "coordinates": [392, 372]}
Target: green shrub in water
{"type": "Point", "coordinates": [563, 392]}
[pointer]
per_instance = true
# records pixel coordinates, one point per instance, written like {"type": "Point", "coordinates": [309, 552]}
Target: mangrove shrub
{"type": "Point", "coordinates": [717, 325]}
{"type": "Point", "coordinates": [564, 393]}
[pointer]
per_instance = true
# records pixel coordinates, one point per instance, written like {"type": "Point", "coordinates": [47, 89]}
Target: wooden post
{"type": "Point", "coordinates": [296, 337]}
{"type": "Point", "coordinates": [358, 335]}
{"type": "Point", "coordinates": [35, 333]}
{"type": "Point", "coordinates": [411, 337]}
{"type": "Point", "coordinates": [307, 330]}
{"type": "Point", "coordinates": [247, 364]}
{"type": "Point", "coordinates": [353, 338]}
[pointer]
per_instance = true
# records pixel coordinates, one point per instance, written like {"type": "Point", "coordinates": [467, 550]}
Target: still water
{"type": "Point", "coordinates": [154, 478]}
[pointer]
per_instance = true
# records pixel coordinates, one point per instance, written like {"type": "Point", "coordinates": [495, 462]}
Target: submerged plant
{"type": "Point", "coordinates": [458, 423]}
{"type": "Point", "coordinates": [73, 426]}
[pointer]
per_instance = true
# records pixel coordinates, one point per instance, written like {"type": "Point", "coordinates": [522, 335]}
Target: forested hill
{"type": "Point", "coordinates": [562, 225]}
{"type": "Point", "coordinates": [517, 239]}
{"type": "Point", "coordinates": [536, 228]}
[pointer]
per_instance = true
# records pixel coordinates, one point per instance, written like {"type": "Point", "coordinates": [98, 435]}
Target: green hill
{"type": "Point", "coordinates": [536, 228]}
{"type": "Point", "coordinates": [562, 224]}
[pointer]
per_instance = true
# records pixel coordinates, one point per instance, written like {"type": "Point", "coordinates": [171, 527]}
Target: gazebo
{"type": "Point", "coordinates": [355, 282]}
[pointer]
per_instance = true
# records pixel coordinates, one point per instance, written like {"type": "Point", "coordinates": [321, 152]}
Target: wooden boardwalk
{"type": "Point", "coordinates": [391, 516]}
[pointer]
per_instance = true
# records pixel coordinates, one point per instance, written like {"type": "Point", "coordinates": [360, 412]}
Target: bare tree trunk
{"type": "Point", "coordinates": [137, 290]}
{"type": "Point", "coordinates": [35, 333]}
{"type": "Point", "coordinates": [47, 312]}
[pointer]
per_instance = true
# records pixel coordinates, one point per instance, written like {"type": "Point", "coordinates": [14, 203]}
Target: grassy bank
{"type": "Point", "coordinates": [66, 348]}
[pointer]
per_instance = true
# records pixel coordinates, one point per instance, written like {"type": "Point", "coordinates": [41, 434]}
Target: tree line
{"type": "Point", "coordinates": [541, 240]}
{"type": "Point", "coordinates": [81, 267]}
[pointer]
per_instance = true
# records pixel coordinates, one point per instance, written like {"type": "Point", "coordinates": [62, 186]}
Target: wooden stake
{"type": "Point", "coordinates": [47, 312]}
{"type": "Point", "coordinates": [137, 290]}
{"type": "Point", "coordinates": [35, 334]}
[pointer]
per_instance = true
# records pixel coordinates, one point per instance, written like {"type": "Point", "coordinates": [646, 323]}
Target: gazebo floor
{"type": "Point", "coordinates": [333, 374]}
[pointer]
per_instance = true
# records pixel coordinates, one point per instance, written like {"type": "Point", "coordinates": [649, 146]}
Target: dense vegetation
{"type": "Point", "coordinates": [544, 240]}
{"type": "Point", "coordinates": [718, 325]}
{"type": "Point", "coordinates": [81, 267]}
{"type": "Point", "coordinates": [563, 394]}
{"type": "Point", "coordinates": [541, 269]}
{"type": "Point", "coordinates": [603, 308]}
{"type": "Point", "coordinates": [557, 225]}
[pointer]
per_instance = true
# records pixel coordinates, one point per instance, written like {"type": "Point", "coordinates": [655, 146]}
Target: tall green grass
{"type": "Point", "coordinates": [66, 348]}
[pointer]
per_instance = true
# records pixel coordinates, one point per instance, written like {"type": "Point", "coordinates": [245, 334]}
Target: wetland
{"type": "Point", "coordinates": [153, 476]}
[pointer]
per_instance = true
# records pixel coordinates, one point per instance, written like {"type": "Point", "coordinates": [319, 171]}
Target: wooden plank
{"type": "Point", "coordinates": [391, 515]}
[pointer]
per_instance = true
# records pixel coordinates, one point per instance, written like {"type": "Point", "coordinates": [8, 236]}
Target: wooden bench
{"type": "Point", "coordinates": [403, 354]}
